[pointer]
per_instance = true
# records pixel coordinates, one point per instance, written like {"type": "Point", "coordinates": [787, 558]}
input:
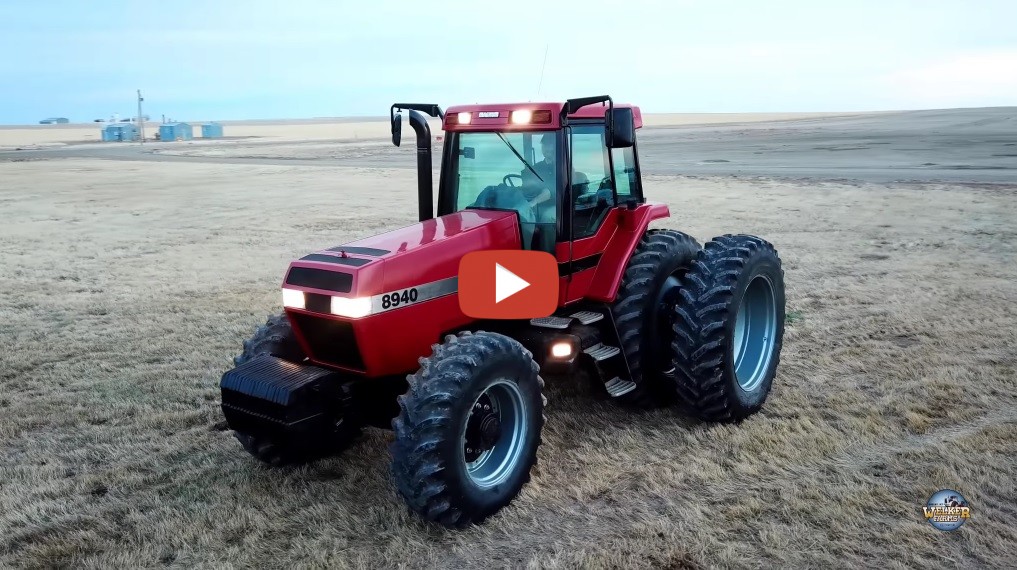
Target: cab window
{"type": "Point", "coordinates": [592, 188]}
{"type": "Point", "coordinates": [511, 171]}
{"type": "Point", "coordinates": [625, 174]}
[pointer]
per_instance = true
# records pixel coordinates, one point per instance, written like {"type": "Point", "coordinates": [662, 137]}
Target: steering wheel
{"type": "Point", "coordinates": [508, 177]}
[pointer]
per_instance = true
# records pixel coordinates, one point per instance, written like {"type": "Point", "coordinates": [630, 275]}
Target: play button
{"type": "Point", "coordinates": [506, 283]}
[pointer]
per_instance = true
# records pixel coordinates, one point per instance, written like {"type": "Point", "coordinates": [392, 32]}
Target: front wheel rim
{"type": "Point", "coordinates": [492, 466]}
{"type": "Point", "coordinates": [755, 333]}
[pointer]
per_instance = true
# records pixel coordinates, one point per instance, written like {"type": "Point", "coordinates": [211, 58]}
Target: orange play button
{"type": "Point", "coordinates": [508, 284]}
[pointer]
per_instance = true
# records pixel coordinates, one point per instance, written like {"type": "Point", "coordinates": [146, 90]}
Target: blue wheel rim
{"type": "Point", "coordinates": [755, 333]}
{"type": "Point", "coordinates": [496, 464]}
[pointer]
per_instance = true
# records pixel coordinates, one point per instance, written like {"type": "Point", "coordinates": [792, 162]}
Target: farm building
{"type": "Point", "coordinates": [211, 131]}
{"type": "Point", "coordinates": [176, 132]}
{"type": "Point", "coordinates": [120, 132]}
{"type": "Point", "coordinates": [55, 121]}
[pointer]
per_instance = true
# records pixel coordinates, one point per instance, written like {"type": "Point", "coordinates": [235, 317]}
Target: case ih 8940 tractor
{"type": "Point", "coordinates": [372, 332]}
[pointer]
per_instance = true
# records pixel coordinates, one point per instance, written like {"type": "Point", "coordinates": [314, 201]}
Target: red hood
{"type": "Point", "coordinates": [420, 253]}
{"type": "Point", "coordinates": [429, 233]}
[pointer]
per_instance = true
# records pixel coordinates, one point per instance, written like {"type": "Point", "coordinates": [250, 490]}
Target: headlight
{"type": "Point", "coordinates": [561, 349]}
{"type": "Point", "coordinates": [293, 299]}
{"type": "Point", "coordinates": [521, 117]}
{"type": "Point", "coordinates": [352, 308]}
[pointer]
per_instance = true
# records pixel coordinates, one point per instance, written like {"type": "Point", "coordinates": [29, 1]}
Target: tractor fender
{"type": "Point", "coordinates": [632, 225]}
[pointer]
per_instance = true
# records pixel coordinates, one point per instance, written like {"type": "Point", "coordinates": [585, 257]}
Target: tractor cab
{"type": "Point", "coordinates": [560, 166]}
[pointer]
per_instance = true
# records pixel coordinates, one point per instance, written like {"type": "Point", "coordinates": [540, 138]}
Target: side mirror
{"type": "Point", "coordinates": [622, 128]}
{"type": "Point", "coordinates": [397, 128]}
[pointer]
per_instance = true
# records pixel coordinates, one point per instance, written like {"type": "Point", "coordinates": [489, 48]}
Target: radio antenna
{"type": "Point", "coordinates": [542, 66]}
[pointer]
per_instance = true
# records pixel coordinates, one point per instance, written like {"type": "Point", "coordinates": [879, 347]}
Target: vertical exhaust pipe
{"type": "Point", "coordinates": [425, 187]}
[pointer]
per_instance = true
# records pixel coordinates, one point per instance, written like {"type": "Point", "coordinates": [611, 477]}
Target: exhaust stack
{"type": "Point", "coordinates": [425, 187]}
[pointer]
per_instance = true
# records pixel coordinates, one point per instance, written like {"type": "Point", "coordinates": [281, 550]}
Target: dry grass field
{"type": "Point", "coordinates": [128, 286]}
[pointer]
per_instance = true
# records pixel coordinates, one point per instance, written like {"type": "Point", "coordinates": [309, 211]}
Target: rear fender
{"type": "Point", "coordinates": [631, 225]}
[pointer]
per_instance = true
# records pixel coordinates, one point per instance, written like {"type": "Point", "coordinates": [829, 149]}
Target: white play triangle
{"type": "Point", "coordinates": [506, 283]}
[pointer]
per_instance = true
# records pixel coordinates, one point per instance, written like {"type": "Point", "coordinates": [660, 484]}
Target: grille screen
{"type": "Point", "coordinates": [330, 341]}
{"type": "Point", "coordinates": [320, 279]}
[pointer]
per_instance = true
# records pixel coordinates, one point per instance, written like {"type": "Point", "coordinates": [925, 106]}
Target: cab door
{"type": "Point", "coordinates": [600, 184]}
{"type": "Point", "coordinates": [591, 199]}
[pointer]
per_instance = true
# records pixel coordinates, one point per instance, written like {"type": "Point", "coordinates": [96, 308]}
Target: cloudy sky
{"type": "Point", "coordinates": [219, 59]}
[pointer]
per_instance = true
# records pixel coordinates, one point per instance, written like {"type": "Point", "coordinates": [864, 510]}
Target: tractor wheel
{"type": "Point", "coordinates": [276, 338]}
{"type": "Point", "coordinates": [729, 328]}
{"type": "Point", "coordinates": [643, 316]}
{"type": "Point", "coordinates": [468, 429]}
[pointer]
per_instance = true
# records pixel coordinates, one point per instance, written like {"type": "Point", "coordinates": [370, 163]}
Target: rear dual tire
{"type": "Point", "coordinates": [729, 328]}
{"type": "Point", "coordinates": [648, 290]}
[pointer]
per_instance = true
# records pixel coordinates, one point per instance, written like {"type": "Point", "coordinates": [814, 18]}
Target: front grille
{"type": "Point", "coordinates": [329, 340]}
{"type": "Point", "coordinates": [320, 279]}
{"type": "Point", "coordinates": [318, 303]}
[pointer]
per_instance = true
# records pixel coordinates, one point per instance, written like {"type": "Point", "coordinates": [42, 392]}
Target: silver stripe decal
{"type": "Point", "coordinates": [413, 295]}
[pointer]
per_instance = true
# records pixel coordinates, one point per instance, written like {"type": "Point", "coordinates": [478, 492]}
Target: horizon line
{"type": "Point", "coordinates": [379, 118]}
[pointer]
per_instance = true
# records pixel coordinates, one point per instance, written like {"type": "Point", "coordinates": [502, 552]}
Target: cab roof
{"type": "Point", "coordinates": [496, 116]}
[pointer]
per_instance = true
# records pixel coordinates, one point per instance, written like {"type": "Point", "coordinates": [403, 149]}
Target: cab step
{"type": "Point", "coordinates": [601, 351]}
{"type": "Point", "coordinates": [588, 317]}
{"type": "Point", "coordinates": [552, 322]}
{"type": "Point", "coordinates": [618, 387]}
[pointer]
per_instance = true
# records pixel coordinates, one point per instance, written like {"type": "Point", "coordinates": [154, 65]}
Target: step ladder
{"type": "Point", "coordinates": [552, 322]}
{"type": "Point", "coordinates": [608, 360]}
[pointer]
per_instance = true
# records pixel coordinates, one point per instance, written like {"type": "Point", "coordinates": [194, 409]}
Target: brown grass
{"type": "Point", "coordinates": [128, 286]}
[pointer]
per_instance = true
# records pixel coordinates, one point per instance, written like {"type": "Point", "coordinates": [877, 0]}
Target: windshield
{"type": "Point", "coordinates": [511, 171]}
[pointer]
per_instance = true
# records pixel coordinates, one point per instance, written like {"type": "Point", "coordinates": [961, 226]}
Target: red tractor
{"type": "Point", "coordinates": [372, 332]}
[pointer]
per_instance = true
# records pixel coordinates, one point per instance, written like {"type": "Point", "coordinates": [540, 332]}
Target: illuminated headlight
{"type": "Point", "coordinates": [293, 299]}
{"type": "Point", "coordinates": [521, 117]}
{"type": "Point", "coordinates": [463, 118]}
{"type": "Point", "coordinates": [352, 308]}
{"type": "Point", "coordinates": [561, 349]}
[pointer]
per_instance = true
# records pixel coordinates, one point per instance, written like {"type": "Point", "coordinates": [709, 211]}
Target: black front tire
{"type": "Point", "coordinates": [429, 465]}
{"type": "Point", "coordinates": [275, 337]}
{"type": "Point", "coordinates": [733, 273]}
{"type": "Point", "coordinates": [659, 261]}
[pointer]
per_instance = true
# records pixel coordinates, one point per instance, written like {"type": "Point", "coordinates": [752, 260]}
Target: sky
{"type": "Point", "coordinates": [224, 59]}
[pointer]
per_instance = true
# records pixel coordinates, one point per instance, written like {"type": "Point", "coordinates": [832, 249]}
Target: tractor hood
{"type": "Point", "coordinates": [434, 234]}
{"type": "Point", "coordinates": [417, 255]}
{"type": "Point", "coordinates": [370, 306]}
